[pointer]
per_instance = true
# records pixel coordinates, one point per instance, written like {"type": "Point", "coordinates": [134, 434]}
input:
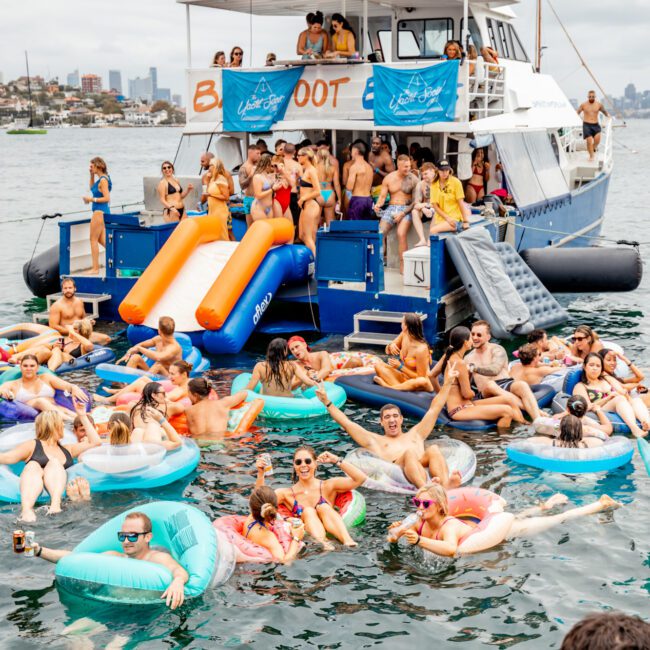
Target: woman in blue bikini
{"type": "Point", "coordinates": [312, 499]}
{"type": "Point", "coordinates": [330, 188]}
{"type": "Point", "coordinates": [100, 198]}
{"type": "Point", "coordinates": [264, 187]}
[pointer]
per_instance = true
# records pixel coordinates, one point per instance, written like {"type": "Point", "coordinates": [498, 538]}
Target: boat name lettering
{"type": "Point", "coordinates": [205, 96]}
{"type": "Point", "coordinates": [318, 93]}
{"type": "Point", "coordinates": [261, 307]}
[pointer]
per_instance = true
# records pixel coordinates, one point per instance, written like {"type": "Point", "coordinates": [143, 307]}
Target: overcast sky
{"type": "Point", "coordinates": [132, 35]}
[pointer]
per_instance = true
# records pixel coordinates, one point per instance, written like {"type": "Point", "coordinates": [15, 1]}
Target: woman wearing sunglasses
{"type": "Point", "coordinates": [171, 193]}
{"type": "Point", "coordinates": [149, 419]}
{"type": "Point", "coordinates": [311, 499]}
{"type": "Point", "coordinates": [583, 342]}
{"type": "Point", "coordinates": [236, 57]}
{"type": "Point", "coordinates": [440, 533]}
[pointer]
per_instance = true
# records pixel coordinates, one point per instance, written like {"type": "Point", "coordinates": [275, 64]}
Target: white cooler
{"type": "Point", "coordinates": [417, 267]}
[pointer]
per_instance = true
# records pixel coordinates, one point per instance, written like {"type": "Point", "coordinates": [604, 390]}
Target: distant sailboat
{"type": "Point", "coordinates": [29, 129]}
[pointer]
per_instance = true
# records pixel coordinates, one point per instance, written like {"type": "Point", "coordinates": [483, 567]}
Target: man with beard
{"type": "Point", "coordinates": [590, 126]}
{"type": "Point", "coordinates": [382, 165]}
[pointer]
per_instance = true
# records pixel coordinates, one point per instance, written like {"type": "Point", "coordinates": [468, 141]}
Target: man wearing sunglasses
{"type": "Point", "coordinates": [405, 449]}
{"type": "Point", "coordinates": [135, 536]}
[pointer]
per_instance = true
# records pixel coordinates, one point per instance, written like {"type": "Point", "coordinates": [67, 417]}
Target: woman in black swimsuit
{"type": "Point", "coordinates": [309, 188]}
{"type": "Point", "coordinates": [171, 193]}
{"type": "Point", "coordinates": [46, 460]}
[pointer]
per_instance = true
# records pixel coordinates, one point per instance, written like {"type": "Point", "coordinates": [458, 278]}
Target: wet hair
{"type": "Point", "coordinates": [200, 386]}
{"type": "Point", "coordinates": [307, 151]}
{"type": "Point", "coordinates": [344, 21]}
{"type": "Point", "coordinates": [482, 323]}
{"type": "Point", "coordinates": [389, 407]}
{"type": "Point", "coordinates": [119, 429]}
{"type": "Point", "coordinates": [315, 18]}
{"type": "Point", "coordinates": [279, 369]}
{"type": "Point", "coordinates": [167, 162]}
{"type": "Point", "coordinates": [100, 164]}
{"type": "Point", "coordinates": [602, 354]}
{"type": "Point", "coordinates": [77, 422]}
{"type": "Point", "coordinates": [310, 450]}
{"type": "Point", "coordinates": [147, 400]}
{"type": "Point", "coordinates": [166, 325]}
{"type": "Point", "coordinates": [583, 374]}
{"type": "Point", "coordinates": [263, 503]}
{"type": "Point", "coordinates": [577, 405]}
{"type": "Point", "coordinates": [437, 492]}
{"type": "Point", "coordinates": [536, 335]}
{"type": "Point", "coordinates": [66, 279]}
{"type": "Point", "coordinates": [28, 357]}
{"type": "Point", "coordinates": [457, 338]}
{"type": "Point", "coordinates": [587, 331]}
{"type": "Point", "coordinates": [528, 353]}
{"type": "Point", "coordinates": [608, 631]}
{"type": "Point", "coordinates": [47, 424]}
{"type": "Point", "coordinates": [148, 526]}
{"type": "Point", "coordinates": [414, 327]}
{"type": "Point", "coordinates": [570, 431]}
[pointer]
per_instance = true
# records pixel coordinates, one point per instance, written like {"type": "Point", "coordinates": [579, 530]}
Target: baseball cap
{"type": "Point", "coordinates": [443, 164]}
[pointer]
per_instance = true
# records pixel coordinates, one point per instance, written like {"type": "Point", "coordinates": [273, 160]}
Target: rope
{"type": "Point", "coordinates": [40, 232]}
{"type": "Point", "coordinates": [56, 215]}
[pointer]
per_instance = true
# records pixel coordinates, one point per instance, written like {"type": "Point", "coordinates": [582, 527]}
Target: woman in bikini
{"type": "Point", "coordinates": [312, 499]}
{"type": "Point", "coordinates": [262, 527]}
{"type": "Point", "coordinates": [408, 367]}
{"type": "Point", "coordinates": [149, 419]}
{"type": "Point", "coordinates": [330, 187]}
{"type": "Point", "coordinates": [461, 403]}
{"type": "Point", "coordinates": [218, 191]}
{"type": "Point", "coordinates": [171, 193]}
{"type": "Point", "coordinates": [100, 199]}
{"type": "Point", "coordinates": [37, 390]}
{"type": "Point", "coordinates": [308, 197]}
{"type": "Point", "coordinates": [265, 185]}
{"type": "Point", "coordinates": [475, 189]}
{"type": "Point", "coordinates": [638, 393]}
{"type": "Point", "coordinates": [46, 460]}
{"type": "Point", "coordinates": [595, 387]}
{"type": "Point", "coordinates": [442, 534]}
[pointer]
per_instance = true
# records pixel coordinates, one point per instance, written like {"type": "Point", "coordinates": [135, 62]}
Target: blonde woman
{"type": "Point", "coordinates": [265, 185]}
{"type": "Point", "coordinates": [330, 188]}
{"type": "Point", "coordinates": [171, 193]}
{"type": "Point", "coordinates": [100, 199]}
{"type": "Point", "coordinates": [309, 195]}
{"type": "Point", "coordinates": [218, 196]}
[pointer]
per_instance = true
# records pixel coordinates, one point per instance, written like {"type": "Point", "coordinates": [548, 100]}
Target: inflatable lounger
{"type": "Point", "coordinates": [96, 356]}
{"type": "Point", "coordinates": [503, 289]}
{"type": "Point", "coordinates": [416, 403]}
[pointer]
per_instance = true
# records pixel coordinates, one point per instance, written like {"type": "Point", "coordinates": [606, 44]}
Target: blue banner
{"type": "Point", "coordinates": [421, 96]}
{"type": "Point", "coordinates": [254, 101]}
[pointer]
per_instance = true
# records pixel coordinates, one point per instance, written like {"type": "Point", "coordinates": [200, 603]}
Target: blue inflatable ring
{"type": "Point", "coordinates": [303, 405]}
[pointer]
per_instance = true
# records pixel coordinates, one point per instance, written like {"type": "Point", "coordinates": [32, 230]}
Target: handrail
{"type": "Point", "coordinates": [487, 86]}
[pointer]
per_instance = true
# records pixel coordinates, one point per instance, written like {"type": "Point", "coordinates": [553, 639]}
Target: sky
{"type": "Point", "coordinates": [132, 35]}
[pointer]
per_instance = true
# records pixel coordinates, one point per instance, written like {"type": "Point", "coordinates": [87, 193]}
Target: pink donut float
{"type": "Point", "coordinates": [232, 526]}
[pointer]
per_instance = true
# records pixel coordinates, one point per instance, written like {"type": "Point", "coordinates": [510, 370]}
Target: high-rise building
{"type": "Point", "coordinates": [153, 75]}
{"type": "Point", "coordinates": [164, 94]}
{"type": "Point", "coordinates": [630, 92]}
{"type": "Point", "coordinates": [115, 81]}
{"type": "Point", "coordinates": [73, 79]}
{"type": "Point", "coordinates": [141, 89]}
{"type": "Point", "coordinates": [91, 83]}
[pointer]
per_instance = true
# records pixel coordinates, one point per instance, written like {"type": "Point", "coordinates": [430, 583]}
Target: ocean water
{"type": "Point", "coordinates": [526, 593]}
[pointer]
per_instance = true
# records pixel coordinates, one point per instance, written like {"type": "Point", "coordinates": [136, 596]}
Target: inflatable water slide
{"type": "Point", "coordinates": [216, 291]}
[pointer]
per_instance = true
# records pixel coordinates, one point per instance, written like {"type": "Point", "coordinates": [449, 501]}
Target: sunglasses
{"type": "Point", "coordinates": [425, 503]}
{"type": "Point", "coordinates": [300, 461]}
{"type": "Point", "coordinates": [237, 53]}
{"type": "Point", "coordinates": [578, 338]}
{"type": "Point", "coordinates": [167, 167]}
{"type": "Point", "coordinates": [132, 537]}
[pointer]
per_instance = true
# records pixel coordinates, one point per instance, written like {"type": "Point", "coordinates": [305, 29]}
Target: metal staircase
{"type": "Point", "coordinates": [359, 336]}
{"type": "Point", "coordinates": [92, 299]}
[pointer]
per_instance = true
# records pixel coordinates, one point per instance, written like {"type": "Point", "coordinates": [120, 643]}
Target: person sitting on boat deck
{"type": "Point", "coordinates": [358, 184]}
{"type": "Point", "coordinates": [317, 365]}
{"type": "Point", "coordinates": [462, 404]}
{"type": "Point", "coordinates": [583, 342]}
{"type": "Point", "coordinates": [448, 201]}
{"type": "Point", "coordinates": [246, 171]}
{"type": "Point", "coordinates": [314, 41]}
{"type": "Point", "coordinates": [404, 449]}
{"type": "Point", "coordinates": [410, 359]}
{"type": "Point", "coordinates": [68, 309]}
{"type": "Point", "coordinates": [37, 390]}
{"type": "Point", "coordinates": [277, 374]}
{"type": "Point", "coordinates": [422, 208]}
{"type": "Point", "coordinates": [330, 187]}
{"type": "Point", "coordinates": [343, 39]}
{"type": "Point", "coordinates": [611, 630]}
{"type": "Point", "coordinates": [475, 188]}
{"type": "Point", "coordinates": [399, 185]}
{"type": "Point", "coordinates": [598, 390]}
{"type": "Point", "coordinates": [382, 164]}
{"type": "Point", "coordinates": [530, 367]}
{"type": "Point", "coordinates": [265, 185]}
{"type": "Point", "coordinates": [553, 349]}
{"type": "Point", "coordinates": [149, 419]}
{"type": "Point", "coordinates": [312, 499]}
{"type": "Point", "coordinates": [308, 201]}
{"type": "Point", "coordinates": [571, 435]}
{"type": "Point", "coordinates": [100, 200]}
{"type": "Point", "coordinates": [442, 534]}
{"type": "Point", "coordinates": [46, 460]}
{"type": "Point", "coordinates": [236, 57]}
{"type": "Point", "coordinates": [166, 350]}
{"type": "Point", "coordinates": [219, 60]}
{"type": "Point", "coordinates": [488, 363]}
{"type": "Point", "coordinates": [452, 51]}
{"type": "Point", "coordinates": [632, 383]}
{"type": "Point", "coordinates": [207, 418]}
{"type": "Point", "coordinates": [171, 193]}
{"type": "Point", "coordinates": [591, 110]}
{"type": "Point", "coordinates": [135, 537]}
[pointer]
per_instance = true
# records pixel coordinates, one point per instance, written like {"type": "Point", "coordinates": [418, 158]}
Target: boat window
{"type": "Point", "coordinates": [474, 33]}
{"type": "Point", "coordinates": [423, 38]}
{"type": "Point", "coordinates": [504, 41]}
{"type": "Point", "coordinates": [517, 48]}
{"type": "Point", "coordinates": [493, 41]}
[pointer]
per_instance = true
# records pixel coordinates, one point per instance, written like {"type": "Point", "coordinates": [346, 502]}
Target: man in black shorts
{"type": "Point", "coordinates": [590, 126]}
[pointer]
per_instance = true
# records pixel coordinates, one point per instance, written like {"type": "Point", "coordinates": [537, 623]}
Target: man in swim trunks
{"type": "Point", "coordinates": [382, 164]}
{"type": "Point", "coordinates": [530, 367]}
{"type": "Point", "coordinates": [359, 185]}
{"type": "Point", "coordinates": [590, 126]}
{"type": "Point", "coordinates": [68, 309]}
{"type": "Point", "coordinates": [166, 350]}
{"type": "Point", "coordinates": [406, 450]}
{"type": "Point", "coordinates": [400, 184]}
{"type": "Point", "coordinates": [135, 536]}
{"type": "Point", "coordinates": [422, 208]}
{"type": "Point", "coordinates": [246, 177]}
{"type": "Point", "coordinates": [488, 363]}
{"type": "Point", "coordinates": [294, 169]}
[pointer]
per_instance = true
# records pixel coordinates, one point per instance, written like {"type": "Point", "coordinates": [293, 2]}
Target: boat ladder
{"type": "Point", "coordinates": [359, 336]}
{"type": "Point", "coordinates": [92, 299]}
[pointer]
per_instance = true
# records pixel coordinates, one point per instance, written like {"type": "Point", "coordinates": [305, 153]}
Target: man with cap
{"type": "Point", "coordinates": [448, 201]}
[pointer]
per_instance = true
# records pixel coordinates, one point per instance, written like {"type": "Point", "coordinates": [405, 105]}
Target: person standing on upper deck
{"type": "Point", "coordinates": [313, 42]}
{"type": "Point", "coordinates": [236, 57]}
{"type": "Point", "coordinates": [343, 38]}
{"type": "Point", "coordinates": [359, 185]}
{"type": "Point", "coordinates": [382, 164]}
{"type": "Point", "coordinates": [590, 126]}
{"type": "Point", "coordinates": [246, 177]}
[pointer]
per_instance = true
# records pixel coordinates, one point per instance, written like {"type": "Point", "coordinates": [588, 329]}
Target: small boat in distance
{"type": "Point", "coordinates": [29, 129]}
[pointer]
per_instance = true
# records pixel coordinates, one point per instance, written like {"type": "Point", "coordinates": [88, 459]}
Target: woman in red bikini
{"type": "Point", "coordinates": [283, 180]}
{"type": "Point", "coordinates": [475, 189]}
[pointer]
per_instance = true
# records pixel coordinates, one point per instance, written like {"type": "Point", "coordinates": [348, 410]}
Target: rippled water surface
{"type": "Point", "coordinates": [527, 593]}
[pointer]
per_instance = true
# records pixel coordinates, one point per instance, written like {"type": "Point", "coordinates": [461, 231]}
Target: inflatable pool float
{"type": "Point", "coordinates": [96, 356]}
{"type": "Point", "coordinates": [614, 452]}
{"type": "Point", "coordinates": [17, 338]}
{"type": "Point", "coordinates": [179, 528]}
{"type": "Point", "coordinates": [19, 433]}
{"type": "Point", "coordinates": [303, 405]}
{"type": "Point", "coordinates": [12, 411]}
{"type": "Point", "coordinates": [389, 477]}
{"type": "Point", "coordinates": [351, 506]}
{"type": "Point", "coordinates": [644, 450]}
{"type": "Point", "coordinates": [339, 359]}
{"type": "Point", "coordinates": [362, 388]}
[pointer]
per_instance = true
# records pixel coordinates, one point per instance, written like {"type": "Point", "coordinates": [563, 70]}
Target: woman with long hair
{"type": "Point", "coordinates": [330, 188]}
{"type": "Point", "coordinates": [308, 197]}
{"type": "Point", "coordinates": [571, 435]}
{"type": "Point", "coordinates": [149, 419]}
{"type": "Point", "coordinates": [410, 359]}
{"type": "Point", "coordinates": [313, 42]}
{"type": "Point", "coordinates": [583, 342]}
{"type": "Point", "coordinates": [218, 192]}
{"type": "Point", "coordinates": [171, 193]}
{"type": "Point", "coordinates": [461, 403]}
{"type": "Point", "coordinates": [631, 384]}
{"type": "Point", "coordinates": [475, 188]}
{"type": "Point", "coordinates": [283, 180]}
{"type": "Point", "coordinates": [312, 499]}
{"type": "Point", "coordinates": [277, 373]}
{"type": "Point", "coordinates": [219, 60]}
{"type": "Point", "coordinates": [119, 429]}
{"type": "Point", "coordinates": [236, 57]}
{"type": "Point", "coordinates": [265, 185]}
{"type": "Point", "coordinates": [100, 198]}
{"type": "Point", "coordinates": [343, 38]}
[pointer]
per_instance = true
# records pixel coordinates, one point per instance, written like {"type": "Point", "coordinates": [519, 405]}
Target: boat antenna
{"type": "Point", "coordinates": [538, 38]}
{"type": "Point", "coordinates": [29, 90]}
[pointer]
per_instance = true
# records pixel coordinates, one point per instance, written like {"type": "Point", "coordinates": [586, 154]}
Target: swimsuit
{"type": "Point", "coordinates": [39, 456]}
{"type": "Point", "coordinates": [458, 408]}
{"type": "Point", "coordinates": [172, 190]}
{"type": "Point", "coordinates": [389, 212]}
{"type": "Point", "coordinates": [24, 395]}
{"type": "Point", "coordinates": [248, 202]}
{"type": "Point", "coordinates": [590, 130]}
{"type": "Point", "coordinates": [316, 48]}
{"type": "Point", "coordinates": [283, 197]}
{"type": "Point", "coordinates": [259, 523]}
{"type": "Point", "coordinates": [96, 192]}
{"type": "Point", "coordinates": [325, 192]}
{"type": "Point", "coordinates": [504, 383]}
{"type": "Point", "coordinates": [594, 394]}
{"type": "Point", "coordinates": [297, 509]}
{"type": "Point", "coordinates": [360, 208]}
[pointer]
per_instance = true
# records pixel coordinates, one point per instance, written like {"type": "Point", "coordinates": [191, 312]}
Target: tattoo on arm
{"type": "Point", "coordinates": [499, 361]}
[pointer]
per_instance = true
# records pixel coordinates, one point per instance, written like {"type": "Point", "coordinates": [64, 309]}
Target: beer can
{"type": "Point", "coordinates": [29, 543]}
{"type": "Point", "coordinates": [268, 466]}
{"type": "Point", "coordinates": [19, 541]}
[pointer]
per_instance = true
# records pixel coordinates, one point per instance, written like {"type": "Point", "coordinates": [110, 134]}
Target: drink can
{"type": "Point", "coordinates": [29, 543]}
{"type": "Point", "coordinates": [295, 522]}
{"type": "Point", "coordinates": [268, 466]}
{"type": "Point", "coordinates": [19, 541]}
